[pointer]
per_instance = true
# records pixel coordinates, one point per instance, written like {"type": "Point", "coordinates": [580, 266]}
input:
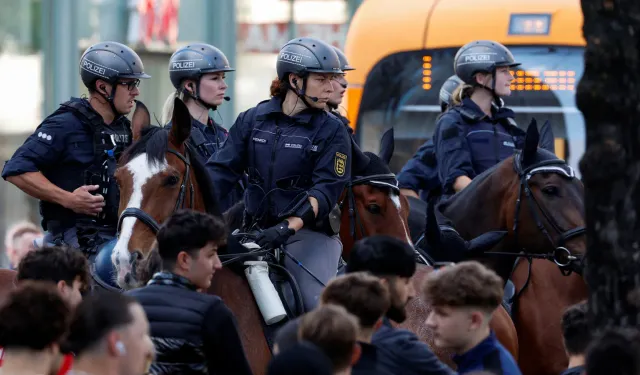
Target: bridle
{"type": "Point", "coordinates": [144, 217]}
{"type": "Point", "coordinates": [384, 180]}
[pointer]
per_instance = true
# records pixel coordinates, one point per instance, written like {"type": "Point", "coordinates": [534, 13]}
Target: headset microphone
{"type": "Point", "coordinates": [227, 98]}
{"type": "Point", "coordinates": [313, 98]}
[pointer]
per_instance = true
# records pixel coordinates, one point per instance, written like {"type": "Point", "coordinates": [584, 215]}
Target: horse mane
{"type": "Point", "coordinates": [205, 182]}
{"type": "Point", "coordinates": [154, 141]}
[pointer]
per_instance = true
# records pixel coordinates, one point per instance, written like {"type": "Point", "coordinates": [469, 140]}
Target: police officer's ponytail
{"type": "Point", "coordinates": [461, 92]}
{"type": "Point", "coordinates": [278, 88]}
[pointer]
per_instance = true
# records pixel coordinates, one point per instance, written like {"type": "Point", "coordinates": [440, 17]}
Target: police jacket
{"type": "Point", "coordinates": [193, 332]}
{"type": "Point", "coordinates": [401, 352]}
{"type": "Point", "coordinates": [74, 147]}
{"type": "Point", "coordinates": [489, 356]}
{"type": "Point", "coordinates": [420, 174]}
{"type": "Point", "coordinates": [468, 142]}
{"type": "Point", "coordinates": [287, 159]}
{"type": "Point", "coordinates": [207, 140]}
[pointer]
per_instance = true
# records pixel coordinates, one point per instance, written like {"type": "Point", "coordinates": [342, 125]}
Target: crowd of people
{"type": "Point", "coordinates": [52, 323]}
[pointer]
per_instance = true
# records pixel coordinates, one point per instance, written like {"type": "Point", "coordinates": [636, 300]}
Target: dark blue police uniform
{"type": "Point", "coordinates": [468, 142]}
{"type": "Point", "coordinates": [73, 147]}
{"type": "Point", "coordinates": [289, 159]}
{"type": "Point", "coordinates": [420, 173]}
{"type": "Point", "coordinates": [207, 140]}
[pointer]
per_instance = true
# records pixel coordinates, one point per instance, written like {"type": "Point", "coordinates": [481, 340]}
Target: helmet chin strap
{"type": "Point", "coordinates": [109, 100]}
{"type": "Point", "coordinates": [196, 96]}
{"type": "Point", "coordinates": [492, 89]}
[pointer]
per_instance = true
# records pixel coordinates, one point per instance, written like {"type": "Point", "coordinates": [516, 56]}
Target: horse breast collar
{"type": "Point", "coordinates": [560, 255]}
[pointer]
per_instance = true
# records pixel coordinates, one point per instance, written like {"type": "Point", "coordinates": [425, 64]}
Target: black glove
{"type": "Point", "coordinates": [275, 236]}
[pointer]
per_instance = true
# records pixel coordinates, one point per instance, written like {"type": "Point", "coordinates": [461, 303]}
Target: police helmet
{"type": "Point", "coordinates": [344, 63]}
{"type": "Point", "coordinates": [194, 60]}
{"type": "Point", "coordinates": [102, 270]}
{"type": "Point", "coordinates": [481, 56]}
{"type": "Point", "coordinates": [110, 61]}
{"type": "Point", "coordinates": [447, 89]}
{"type": "Point", "coordinates": [302, 56]}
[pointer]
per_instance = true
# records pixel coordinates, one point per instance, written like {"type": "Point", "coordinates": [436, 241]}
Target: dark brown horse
{"type": "Point", "coordinates": [537, 199]}
{"type": "Point", "coordinates": [381, 209]}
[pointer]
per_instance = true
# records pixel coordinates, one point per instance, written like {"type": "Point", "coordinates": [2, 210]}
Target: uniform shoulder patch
{"type": "Point", "coordinates": [44, 137]}
{"type": "Point", "coordinates": [340, 164]}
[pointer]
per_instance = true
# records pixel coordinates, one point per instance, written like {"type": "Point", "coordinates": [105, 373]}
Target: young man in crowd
{"type": "Point", "coordinates": [332, 329]}
{"type": "Point", "coordinates": [191, 330]}
{"type": "Point", "coordinates": [577, 337]}
{"type": "Point", "coordinates": [365, 297]}
{"type": "Point", "coordinates": [464, 297]}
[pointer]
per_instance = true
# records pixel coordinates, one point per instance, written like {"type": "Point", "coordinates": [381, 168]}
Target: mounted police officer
{"type": "Point", "coordinates": [197, 71]}
{"type": "Point", "coordinates": [420, 174]}
{"type": "Point", "coordinates": [475, 134]}
{"type": "Point", "coordinates": [298, 158]}
{"type": "Point", "coordinates": [69, 161]}
{"type": "Point", "coordinates": [340, 87]}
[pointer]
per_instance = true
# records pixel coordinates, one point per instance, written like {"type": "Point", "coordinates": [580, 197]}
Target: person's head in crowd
{"type": "Point", "coordinates": [332, 329]}
{"type": "Point", "coordinates": [393, 261]}
{"type": "Point", "coordinates": [300, 358]}
{"type": "Point", "coordinates": [464, 297]}
{"type": "Point", "coordinates": [109, 334]}
{"type": "Point", "coordinates": [188, 244]}
{"type": "Point", "coordinates": [33, 321]}
{"type": "Point", "coordinates": [19, 240]}
{"type": "Point", "coordinates": [362, 295]}
{"type": "Point", "coordinates": [615, 351]}
{"type": "Point", "coordinates": [576, 333]}
{"type": "Point", "coordinates": [286, 337]}
{"type": "Point", "coordinates": [68, 269]}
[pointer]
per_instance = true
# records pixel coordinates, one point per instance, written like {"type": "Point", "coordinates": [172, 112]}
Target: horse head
{"type": "Point", "coordinates": [535, 197]}
{"type": "Point", "coordinates": [155, 179]}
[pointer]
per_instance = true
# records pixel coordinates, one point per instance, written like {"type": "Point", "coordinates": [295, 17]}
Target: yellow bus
{"type": "Point", "coordinates": [403, 52]}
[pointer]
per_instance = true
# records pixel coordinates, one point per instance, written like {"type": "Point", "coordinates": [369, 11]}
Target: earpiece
{"type": "Point", "coordinates": [122, 350]}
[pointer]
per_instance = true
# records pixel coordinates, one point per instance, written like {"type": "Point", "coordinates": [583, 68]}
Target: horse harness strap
{"type": "Point", "coordinates": [145, 217]}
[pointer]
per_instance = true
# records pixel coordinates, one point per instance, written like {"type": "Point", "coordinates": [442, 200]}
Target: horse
{"type": "Point", "coordinates": [372, 205]}
{"type": "Point", "coordinates": [537, 199]}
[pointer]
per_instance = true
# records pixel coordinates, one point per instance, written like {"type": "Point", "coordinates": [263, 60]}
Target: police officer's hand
{"type": "Point", "coordinates": [275, 236]}
{"type": "Point", "coordinates": [85, 203]}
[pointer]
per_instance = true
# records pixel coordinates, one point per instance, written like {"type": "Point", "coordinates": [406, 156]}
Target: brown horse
{"type": "Point", "coordinates": [7, 283]}
{"type": "Point", "coordinates": [537, 199]}
{"type": "Point", "coordinates": [381, 209]}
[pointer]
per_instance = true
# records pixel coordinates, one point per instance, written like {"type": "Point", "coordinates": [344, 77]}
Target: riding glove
{"type": "Point", "coordinates": [275, 236]}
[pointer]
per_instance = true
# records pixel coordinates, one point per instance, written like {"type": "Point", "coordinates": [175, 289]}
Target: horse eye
{"type": "Point", "coordinates": [374, 209]}
{"type": "Point", "coordinates": [171, 181]}
{"type": "Point", "coordinates": [550, 190]}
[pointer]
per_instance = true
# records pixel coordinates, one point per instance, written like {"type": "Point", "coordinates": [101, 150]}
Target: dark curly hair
{"type": "Point", "coordinates": [34, 317]}
{"type": "Point", "coordinates": [54, 264]}
{"type": "Point", "coordinates": [575, 329]}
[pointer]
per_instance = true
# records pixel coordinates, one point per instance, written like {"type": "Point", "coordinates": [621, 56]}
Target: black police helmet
{"type": "Point", "coordinates": [447, 89]}
{"type": "Point", "coordinates": [481, 56]}
{"type": "Point", "coordinates": [194, 60]}
{"type": "Point", "coordinates": [110, 61]}
{"type": "Point", "coordinates": [344, 63]}
{"type": "Point", "coordinates": [302, 56]}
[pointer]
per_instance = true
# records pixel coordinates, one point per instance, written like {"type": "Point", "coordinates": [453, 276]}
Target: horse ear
{"type": "Point", "coordinates": [180, 122]}
{"type": "Point", "coordinates": [140, 120]}
{"type": "Point", "coordinates": [531, 143]}
{"type": "Point", "coordinates": [387, 146]}
{"type": "Point", "coordinates": [547, 140]}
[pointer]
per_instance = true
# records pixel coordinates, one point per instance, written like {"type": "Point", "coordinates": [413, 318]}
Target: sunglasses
{"type": "Point", "coordinates": [130, 84]}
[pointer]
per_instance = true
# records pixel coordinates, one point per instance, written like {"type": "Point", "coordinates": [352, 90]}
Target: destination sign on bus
{"type": "Point", "coordinates": [529, 24]}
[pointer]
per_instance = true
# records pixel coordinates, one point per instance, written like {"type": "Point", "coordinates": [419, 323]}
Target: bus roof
{"type": "Point", "coordinates": [384, 27]}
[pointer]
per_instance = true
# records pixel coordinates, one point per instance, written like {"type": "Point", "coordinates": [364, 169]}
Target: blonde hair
{"type": "Point", "coordinates": [461, 92]}
{"type": "Point", "coordinates": [17, 230]}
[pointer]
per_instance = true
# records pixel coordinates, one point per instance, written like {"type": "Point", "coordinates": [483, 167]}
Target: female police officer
{"type": "Point", "coordinates": [197, 71]}
{"type": "Point", "coordinates": [298, 159]}
{"type": "Point", "coordinates": [475, 134]}
{"type": "Point", "coordinates": [420, 174]}
{"type": "Point", "coordinates": [340, 86]}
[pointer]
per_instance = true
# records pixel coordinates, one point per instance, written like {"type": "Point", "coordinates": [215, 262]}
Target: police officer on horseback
{"type": "Point", "coordinates": [69, 161]}
{"type": "Point", "coordinates": [298, 158]}
{"type": "Point", "coordinates": [340, 86]}
{"type": "Point", "coordinates": [477, 132]}
{"type": "Point", "coordinates": [197, 71]}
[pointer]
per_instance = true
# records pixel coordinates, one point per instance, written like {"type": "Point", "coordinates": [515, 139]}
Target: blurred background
{"type": "Point", "coordinates": [403, 51]}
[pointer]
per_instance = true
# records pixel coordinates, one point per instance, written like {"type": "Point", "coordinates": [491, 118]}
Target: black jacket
{"type": "Point", "coordinates": [193, 333]}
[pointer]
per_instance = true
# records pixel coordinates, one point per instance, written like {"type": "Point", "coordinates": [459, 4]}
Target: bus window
{"type": "Point", "coordinates": [402, 91]}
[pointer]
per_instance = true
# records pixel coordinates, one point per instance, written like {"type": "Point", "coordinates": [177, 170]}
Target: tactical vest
{"type": "Point", "coordinates": [109, 141]}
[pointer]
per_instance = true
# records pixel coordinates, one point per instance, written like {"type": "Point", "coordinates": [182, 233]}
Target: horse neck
{"type": "Point", "coordinates": [198, 200]}
{"type": "Point", "coordinates": [487, 208]}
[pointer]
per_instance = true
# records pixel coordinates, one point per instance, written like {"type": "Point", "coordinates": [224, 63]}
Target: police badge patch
{"type": "Point", "coordinates": [340, 164]}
